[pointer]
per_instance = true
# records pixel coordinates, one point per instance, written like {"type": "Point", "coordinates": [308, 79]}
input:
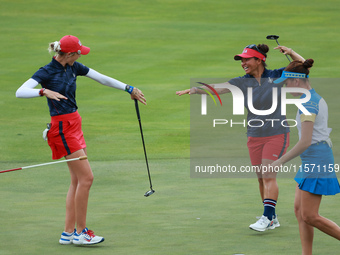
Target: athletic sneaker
{"type": "Point", "coordinates": [262, 224]}
{"type": "Point", "coordinates": [86, 237]}
{"type": "Point", "coordinates": [67, 238]}
{"type": "Point", "coordinates": [276, 222]}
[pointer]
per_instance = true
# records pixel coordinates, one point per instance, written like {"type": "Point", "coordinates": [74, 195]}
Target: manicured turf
{"type": "Point", "coordinates": [157, 46]}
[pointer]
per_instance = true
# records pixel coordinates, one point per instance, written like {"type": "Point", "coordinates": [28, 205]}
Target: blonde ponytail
{"type": "Point", "coordinates": [54, 47]}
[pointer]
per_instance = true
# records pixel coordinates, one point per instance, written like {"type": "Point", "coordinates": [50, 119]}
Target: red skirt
{"type": "Point", "coordinates": [65, 135]}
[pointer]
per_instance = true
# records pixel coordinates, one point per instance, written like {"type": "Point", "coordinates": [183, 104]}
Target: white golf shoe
{"type": "Point", "coordinates": [276, 222]}
{"type": "Point", "coordinates": [87, 237]}
{"type": "Point", "coordinates": [262, 224]}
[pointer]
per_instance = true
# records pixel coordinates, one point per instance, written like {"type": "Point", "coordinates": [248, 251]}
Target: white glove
{"type": "Point", "coordinates": [329, 141]}
{"type": "Point", "coordinates": [46, 131]}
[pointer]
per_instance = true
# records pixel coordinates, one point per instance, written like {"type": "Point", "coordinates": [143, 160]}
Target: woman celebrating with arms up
{"type": "Point", "coordinates": [268, 142]}
{"type": "Point", "coordinates": [65, 137]}
{"type": "Point", "coordinates": [316, 176]}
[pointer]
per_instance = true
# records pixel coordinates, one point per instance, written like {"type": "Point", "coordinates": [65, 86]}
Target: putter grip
{"type": "Point", "coordinates": [137, 109]}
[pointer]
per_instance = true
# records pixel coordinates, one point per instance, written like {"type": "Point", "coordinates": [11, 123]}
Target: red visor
{"type": "Point", "coordinates": [250, 53]}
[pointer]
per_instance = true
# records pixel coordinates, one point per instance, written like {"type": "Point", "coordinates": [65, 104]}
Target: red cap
{"type": "Point", "coordinates": [250, 53]}
{"type": "Point", "coordinates": [70, 43]}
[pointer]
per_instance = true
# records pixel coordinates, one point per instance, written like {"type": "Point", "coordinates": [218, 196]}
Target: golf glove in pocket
{"type": "Point", "coordinates": [46, 131]}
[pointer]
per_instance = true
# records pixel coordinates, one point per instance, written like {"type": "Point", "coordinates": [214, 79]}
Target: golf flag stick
{"type": "Point", "coordinates": [150, 192]}
{"type": "Point", "coordinates": [44, 164]}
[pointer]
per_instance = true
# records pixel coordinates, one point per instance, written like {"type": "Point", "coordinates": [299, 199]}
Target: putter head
{"type": "Point", "coordinates": [149, 193]}
{"type": "Point", "coordinates": [272, 37]}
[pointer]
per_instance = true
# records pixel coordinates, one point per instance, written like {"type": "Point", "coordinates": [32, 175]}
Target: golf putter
{"type": "Point", "coordinates": [275, 37]}
{"type": "Point", "coordinates": [150, 192]}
